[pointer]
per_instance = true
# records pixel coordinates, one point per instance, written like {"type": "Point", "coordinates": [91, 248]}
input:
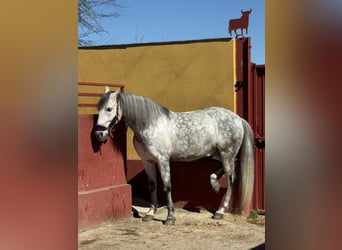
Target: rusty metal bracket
{"type": "Point", "coordinates": [238, 85]}
{"type": "Point", "coordinates": [259, 141]}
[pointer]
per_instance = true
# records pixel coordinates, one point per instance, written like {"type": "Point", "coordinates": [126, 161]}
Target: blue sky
{"type": "Point", "coordinates": [145, 21]}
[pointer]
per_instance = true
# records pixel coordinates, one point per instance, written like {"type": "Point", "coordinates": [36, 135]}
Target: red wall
{"type": "Point", "coordinates": [103, 192]}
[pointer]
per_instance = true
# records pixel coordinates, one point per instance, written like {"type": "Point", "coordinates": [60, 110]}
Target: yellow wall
{"type": "Point", "coordinates": [181, 76]}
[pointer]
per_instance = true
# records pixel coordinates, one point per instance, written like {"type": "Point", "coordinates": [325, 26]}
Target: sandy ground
{"type": "Point", "coordinates": [193, 230]}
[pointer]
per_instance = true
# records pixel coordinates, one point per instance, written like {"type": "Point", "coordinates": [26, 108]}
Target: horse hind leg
{"type": "Point", "coordinates": [229, 169]}
{"type": "Point", "coordinates": [150, 170]}
{"type": "Point", "coordinates": [214, 177]}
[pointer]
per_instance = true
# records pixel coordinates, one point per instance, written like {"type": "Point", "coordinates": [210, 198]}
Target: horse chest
{"type": "Point", "coordinates": [142, 149]}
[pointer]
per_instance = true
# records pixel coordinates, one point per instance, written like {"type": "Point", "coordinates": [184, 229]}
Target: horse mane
{"type": "Point", "coordinates": [140, 111]}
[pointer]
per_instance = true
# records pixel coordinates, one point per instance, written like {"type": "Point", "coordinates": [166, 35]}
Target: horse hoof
{"type": "Point", "coordinates": [147, 218]}
{"type": "Point", "coordinates": [170, 221]}
{"type": "Point", "coordinates": [218, 216]}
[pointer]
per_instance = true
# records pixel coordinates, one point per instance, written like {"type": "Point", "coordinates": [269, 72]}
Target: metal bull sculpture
{"type": "Point", "coordinates": [239, 23]}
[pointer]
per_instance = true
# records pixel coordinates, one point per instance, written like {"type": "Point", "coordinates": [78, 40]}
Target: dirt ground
{"type": "Point", "coordinates": [192, 230]}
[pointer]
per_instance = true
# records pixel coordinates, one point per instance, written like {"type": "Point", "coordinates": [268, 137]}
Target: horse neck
{"type": "Point", "coordinates": [125, 116]}
{"type": "Point", "coordinates": [139, 112]}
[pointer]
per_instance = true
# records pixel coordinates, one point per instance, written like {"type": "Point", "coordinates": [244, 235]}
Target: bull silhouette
{"type": "Point", "coordinates": [239, 23]}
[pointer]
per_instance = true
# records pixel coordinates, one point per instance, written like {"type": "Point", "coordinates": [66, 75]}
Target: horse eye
{"type": "Point", "coordinates": [109, 109]}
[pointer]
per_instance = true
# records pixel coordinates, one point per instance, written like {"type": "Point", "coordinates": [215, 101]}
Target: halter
{"type": "Point", "coordinates": [112, 126]}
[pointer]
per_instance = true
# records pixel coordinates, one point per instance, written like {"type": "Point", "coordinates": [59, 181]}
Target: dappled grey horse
{"type": "Point", "coordinates": [161, 136]}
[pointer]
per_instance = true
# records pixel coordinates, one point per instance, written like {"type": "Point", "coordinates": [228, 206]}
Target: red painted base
{"type": "Point", "coordinates": [103, 192]}
{"type": "Point", "coordinates": [97, 206]}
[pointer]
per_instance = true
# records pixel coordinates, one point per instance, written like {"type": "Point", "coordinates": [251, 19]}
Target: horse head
{"type": "Point", "coordinates": [109, 113]}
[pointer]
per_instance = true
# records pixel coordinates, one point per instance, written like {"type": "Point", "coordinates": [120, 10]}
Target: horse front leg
{"type": "Point", "coordinates": [164, 168]}
{"type": "Point", "coordinates": [150, 170]}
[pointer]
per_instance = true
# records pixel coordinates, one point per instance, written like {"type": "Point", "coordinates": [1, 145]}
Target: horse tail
{"type": "Point", "coordinates": [246, 166]}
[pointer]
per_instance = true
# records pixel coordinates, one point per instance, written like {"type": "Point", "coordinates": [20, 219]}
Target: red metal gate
{"type": "Point", "coordinates": [250, 104]}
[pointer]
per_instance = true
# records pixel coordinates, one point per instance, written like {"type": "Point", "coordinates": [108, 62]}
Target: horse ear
{"type": "Point", "coordinates": [107, 89]}
{"type": "Point", "coordinates": [118, 91]}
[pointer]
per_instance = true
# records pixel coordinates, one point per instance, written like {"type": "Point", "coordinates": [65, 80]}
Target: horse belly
{"type": "Point", "coordinates": [192, 155]}
{"type": "Point", "coordinates": [189, 150]}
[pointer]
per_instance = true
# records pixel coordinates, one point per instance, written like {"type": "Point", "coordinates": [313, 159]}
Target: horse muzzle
{"type": "Point", "coordinates": [101, 133]}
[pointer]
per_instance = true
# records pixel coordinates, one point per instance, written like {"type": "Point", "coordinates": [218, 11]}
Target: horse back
{"type": "Point", "coordinates": [200, 133]}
